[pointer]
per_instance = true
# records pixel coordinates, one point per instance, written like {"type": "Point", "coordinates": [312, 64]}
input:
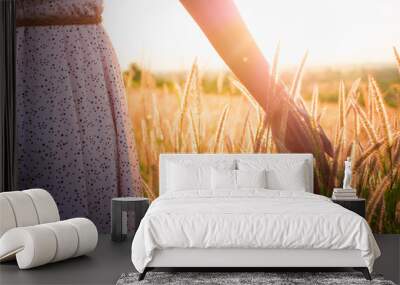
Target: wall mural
{"type": "Point", "coordinates": [338, 107]}
{"type": "Point", "coordinates": [340, 100]}
{"type": "Point", "coordinates": [216, 114]}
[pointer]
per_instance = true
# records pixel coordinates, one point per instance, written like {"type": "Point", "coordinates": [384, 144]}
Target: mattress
{"type": "Point", "coordinates": [250, 219]}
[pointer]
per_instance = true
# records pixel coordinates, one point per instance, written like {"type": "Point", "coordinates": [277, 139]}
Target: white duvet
{"type": "Point", "coordinates": [251, 218]}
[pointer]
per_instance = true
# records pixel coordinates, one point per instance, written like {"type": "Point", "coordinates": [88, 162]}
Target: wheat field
{"type": "Point", "coordinates": [185, 118]}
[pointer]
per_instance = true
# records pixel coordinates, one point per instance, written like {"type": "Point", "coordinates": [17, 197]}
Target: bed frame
{"type": "Point", "coordinates": [245, 259]}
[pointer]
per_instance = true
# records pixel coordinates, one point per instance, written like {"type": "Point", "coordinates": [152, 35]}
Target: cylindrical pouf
{"type": "Point", "coordinates": [30, 230]}
{"type": "Point", "coordinates": [37, 245]}
{"type": "Point", "coordinates": [7, 218]}
{"type": "Point", "coordinates": [33, 246]}
{"type": "Point", "coordinates": [67, 240]}
{"type": "Point", "coordinates": [46, 207]}
{"type": "Point", "coordinates": [26, 208]}
{"type": "Point", "coordinates": [87, 234]}
{"type": "Point", "coordinates": [23, 208]}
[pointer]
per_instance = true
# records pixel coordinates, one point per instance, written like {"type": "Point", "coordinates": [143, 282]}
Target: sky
{"type": "Point", "coordinates": [161, 35]}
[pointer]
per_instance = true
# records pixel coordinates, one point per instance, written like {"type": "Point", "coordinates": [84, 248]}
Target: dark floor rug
{"type": "Point", "coordinates": [269, 278]}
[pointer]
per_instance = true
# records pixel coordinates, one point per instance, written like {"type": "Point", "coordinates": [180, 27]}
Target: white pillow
{"type": "Point", "coordinates": [293, 180]}
{"type": "Point", "coordinates": [251, 178]}
{"type": "Point", "coordinates": [282, 174]}
{"type": "Point", "coordinates": [223, 179]}
{"type": "Point", "coordinates": [181, 177]}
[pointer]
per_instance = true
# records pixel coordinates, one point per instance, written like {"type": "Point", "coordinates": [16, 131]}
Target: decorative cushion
{"type": "Point", "coordinates": [251, 178]}
{"type": "Point", "coordinates": [294, 180]}
{"type": "Point", "coordinates": [182, 178]}
{"type": "Point", "coordinates": [223, 179]}
{"type": "Point", "coordinates": [282, 174]}
{"type": "Point", "coordinates": [190, 174]}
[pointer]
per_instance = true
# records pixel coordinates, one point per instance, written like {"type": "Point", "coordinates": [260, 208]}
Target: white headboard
{"type": "Point", "coordinates": [209, 158]}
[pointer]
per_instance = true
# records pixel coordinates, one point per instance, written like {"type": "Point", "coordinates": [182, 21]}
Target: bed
{"type": "Point", "coordinates": [247, 211]}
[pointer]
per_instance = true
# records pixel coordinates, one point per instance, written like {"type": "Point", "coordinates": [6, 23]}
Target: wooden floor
{"type": "Point", "coordinates": [110, 260]}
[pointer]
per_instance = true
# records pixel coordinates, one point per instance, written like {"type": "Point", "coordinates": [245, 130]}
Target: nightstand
{"type": "Point", "coordinates": [119, 213]}
{"type": "Point", "coordinates": [355, 205]}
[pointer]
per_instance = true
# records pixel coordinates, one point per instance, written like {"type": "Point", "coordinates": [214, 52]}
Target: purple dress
{"type": "Point", "coordinates": [73, 131]}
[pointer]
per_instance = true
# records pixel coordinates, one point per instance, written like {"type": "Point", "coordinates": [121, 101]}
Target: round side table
{"type": "Point", "coordinates": [119, 212]}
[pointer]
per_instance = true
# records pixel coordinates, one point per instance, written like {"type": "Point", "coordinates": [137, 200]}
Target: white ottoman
{"type": "Point", "coordinates": [31, 232]}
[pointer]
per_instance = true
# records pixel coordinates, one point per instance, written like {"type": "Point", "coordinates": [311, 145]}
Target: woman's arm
{"type": "Point", "coordinates": [224, 28]}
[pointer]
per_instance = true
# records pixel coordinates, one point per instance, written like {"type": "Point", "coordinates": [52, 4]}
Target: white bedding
{"type": "Point", "coordinates": [251, 218]}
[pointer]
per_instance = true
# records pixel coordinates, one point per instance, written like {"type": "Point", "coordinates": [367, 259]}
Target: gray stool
{"type": "Point", "coordinates": [119, 212]}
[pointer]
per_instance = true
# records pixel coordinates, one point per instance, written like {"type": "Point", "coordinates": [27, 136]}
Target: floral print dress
{"type": "Point", "coordinates": [74, 136]}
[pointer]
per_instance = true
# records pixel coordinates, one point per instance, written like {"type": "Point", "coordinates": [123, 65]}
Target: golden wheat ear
{"type": "Point", "coordinates": [294, 94]}
{"type": "Point", "coordinates": [353, 94]}
{"type": "Point", "coordinates": [190, 81]}
{"type": "Point", "coordinates": [381, 110]}
{"type": "Point", "coordinates": [370, 131]}
{"type": "Point", "coordinates": [220, 129]}
{"type": "Point", "coordinates": [148, 191]}
{"type": "Point", "coordinates": [243, 90]}
{"type": "Point", "coordinates": [296, 84]}
{"type": "Point", "coordinates": [397, 56]}
{"type": "Point", "coordinates": [273, 80]}
{"type": "Point", "coordinates": [195, 133]}
{"type": "Point", "coordinates": [315, 102]}
{"type": "Point", "coordinates": [243, 134]}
